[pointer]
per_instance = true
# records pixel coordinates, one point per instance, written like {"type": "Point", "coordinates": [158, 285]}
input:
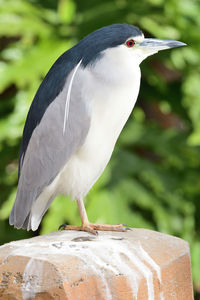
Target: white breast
{"type": "Point", "coordinates": [112, 103]}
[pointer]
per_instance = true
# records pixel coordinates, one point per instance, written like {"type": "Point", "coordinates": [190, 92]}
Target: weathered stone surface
{"type": "Point", "coordinates": [138, 264]}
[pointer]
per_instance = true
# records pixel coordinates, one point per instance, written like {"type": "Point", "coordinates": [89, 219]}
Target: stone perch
{"type": "Point", "coordinates": [67, 265]}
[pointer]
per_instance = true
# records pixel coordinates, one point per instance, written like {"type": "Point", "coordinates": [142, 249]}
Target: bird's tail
{"type": "Point", "coordinates": [20, 213]}
{"type": "Point", "coordinates": [29, 219]}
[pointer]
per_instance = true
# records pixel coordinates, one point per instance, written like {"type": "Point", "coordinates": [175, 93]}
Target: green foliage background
{"type": "Point", "coordinates": [153, 179]}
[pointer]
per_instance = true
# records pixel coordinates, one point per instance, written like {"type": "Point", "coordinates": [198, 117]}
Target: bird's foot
{"type": "Point", "coordinates": [93, 228]}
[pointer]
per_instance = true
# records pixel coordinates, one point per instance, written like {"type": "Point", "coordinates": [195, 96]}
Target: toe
{"type": "Point", "coordinates": [90, 229]}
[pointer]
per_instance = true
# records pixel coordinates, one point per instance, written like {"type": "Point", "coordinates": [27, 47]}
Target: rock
{"type": "Point", "coordinates": [138, 264]}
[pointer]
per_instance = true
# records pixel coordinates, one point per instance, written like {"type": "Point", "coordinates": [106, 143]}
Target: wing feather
{"type": "Point", "coordinates": [50, 147]}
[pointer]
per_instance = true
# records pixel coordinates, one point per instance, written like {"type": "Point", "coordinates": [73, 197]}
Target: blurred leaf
{"type": "Point", "coordinates": [66, 10]}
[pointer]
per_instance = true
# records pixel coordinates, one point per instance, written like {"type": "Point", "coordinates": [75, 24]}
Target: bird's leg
{"type": "Point", "coordinates": [89, 227]}
{"type": "Point", "coordinates": [84, 219]}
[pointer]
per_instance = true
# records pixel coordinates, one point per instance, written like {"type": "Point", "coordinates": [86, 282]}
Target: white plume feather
{"type": "Point", "coordinates": [67, 103]}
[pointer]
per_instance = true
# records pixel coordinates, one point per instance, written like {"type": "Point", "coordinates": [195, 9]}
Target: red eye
{"type": "Point", "coordinates": [130, 43]}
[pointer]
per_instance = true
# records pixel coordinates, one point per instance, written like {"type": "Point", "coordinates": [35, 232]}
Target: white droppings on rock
{"type": "Point", "coordinates": [113, 265]}
{"type": "Point", "coordinates": [133, 276]}
{"type": "Point", "coordinates": [32, 279]}
{"type": "Point", "coordinates": [103, 255]}
{"type": "Point", "coordinates": [100, 254]}
{"type": "Point", "coordinates": [136, 260]}
{"type": "Point", "coordinates": [94, 263]}
{"type": "Point", "coordinates": [150, 261]}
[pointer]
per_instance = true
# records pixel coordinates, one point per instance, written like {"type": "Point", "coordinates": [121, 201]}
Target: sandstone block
{"type": "Point", "coordinates": [67, 265]}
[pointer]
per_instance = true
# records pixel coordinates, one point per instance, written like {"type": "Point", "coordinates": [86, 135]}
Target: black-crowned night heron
{"type": "Point", "coordinates": [75, 119]}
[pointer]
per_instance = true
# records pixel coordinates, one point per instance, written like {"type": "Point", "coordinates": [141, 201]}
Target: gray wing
{"type": "Point", "coordinates": [49, 149]}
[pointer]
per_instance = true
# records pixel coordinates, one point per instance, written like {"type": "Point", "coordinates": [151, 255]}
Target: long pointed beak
{"type": "Point", "coordinates": [158, 44]}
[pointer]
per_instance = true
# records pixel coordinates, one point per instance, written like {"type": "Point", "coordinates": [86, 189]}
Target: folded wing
{"type": "Point", "coordinates": [49, 140]}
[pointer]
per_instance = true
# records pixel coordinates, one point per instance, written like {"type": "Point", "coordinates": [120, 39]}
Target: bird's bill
{"type": "Point", "coordinates": [155, 45]}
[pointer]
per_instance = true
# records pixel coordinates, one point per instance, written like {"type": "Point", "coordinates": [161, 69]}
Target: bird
{"type": "Point", "coordinates": [75, 119]}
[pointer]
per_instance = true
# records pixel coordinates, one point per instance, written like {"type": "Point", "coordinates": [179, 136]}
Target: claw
{"type": "Point", "coordinates": [128, 228]}
{"type": "Point", "coordinates": [62, 226]}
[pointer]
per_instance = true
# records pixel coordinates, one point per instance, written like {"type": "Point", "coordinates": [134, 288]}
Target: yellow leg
{"type": "Point", "coordinates": [89, 227]}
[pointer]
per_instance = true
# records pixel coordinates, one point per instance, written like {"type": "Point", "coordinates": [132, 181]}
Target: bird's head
{"type": "Point", "coordinates": [119, 46]}
{"type": "Point", "coordinates": [128, 38]}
